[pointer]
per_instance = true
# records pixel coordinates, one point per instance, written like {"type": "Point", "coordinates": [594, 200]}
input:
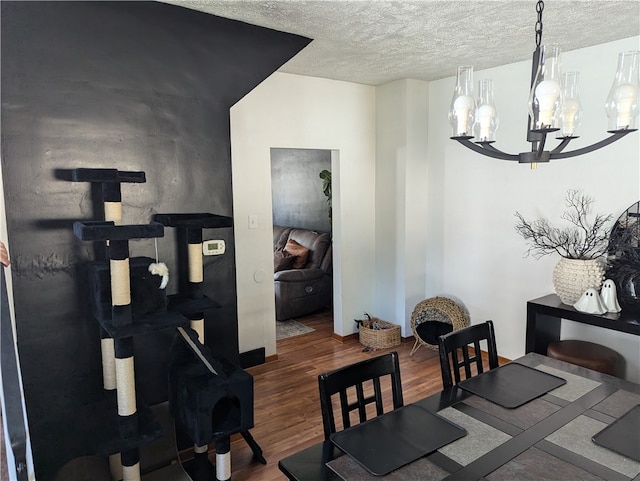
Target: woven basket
{"type": "Point", "coordinates": [388, 336]}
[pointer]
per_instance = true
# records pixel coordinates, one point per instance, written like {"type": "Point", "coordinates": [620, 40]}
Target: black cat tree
{"type": "Point", "coordinates": [209, 397]}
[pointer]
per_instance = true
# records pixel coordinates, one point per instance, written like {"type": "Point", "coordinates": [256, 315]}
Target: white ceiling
{"type": "Point", "coordinates": [377, 41]}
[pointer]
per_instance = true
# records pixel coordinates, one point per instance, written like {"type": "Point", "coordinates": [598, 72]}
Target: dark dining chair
{"type": "Point", "coordinates": [363, 379]}
{"type": "Point", "coordinates": [455, 352]}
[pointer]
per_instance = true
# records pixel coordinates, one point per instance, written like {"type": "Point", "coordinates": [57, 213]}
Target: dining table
{"type": "Point", "coordinates": [585, 427]}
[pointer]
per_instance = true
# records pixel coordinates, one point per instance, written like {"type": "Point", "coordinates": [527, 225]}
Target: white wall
{"type": "Point", "coordinates": [402, 120]}
{"type": "Point", "coordinates": [466, 209]}
{"type": "Point", "coordinates": [483, 260]}
{"type": "Point", "coordinates": [291, 111]}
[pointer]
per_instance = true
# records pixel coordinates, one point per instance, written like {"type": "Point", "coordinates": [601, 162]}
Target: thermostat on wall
{"type": "Point", "coordinates": [213, 247]}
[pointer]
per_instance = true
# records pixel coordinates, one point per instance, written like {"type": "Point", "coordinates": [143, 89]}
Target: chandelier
{"type": "Point", "coordinates": [554, 106]}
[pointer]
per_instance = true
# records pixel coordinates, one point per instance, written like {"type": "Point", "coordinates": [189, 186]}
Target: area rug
{"type": "Point", "coordinates": [290, 328]}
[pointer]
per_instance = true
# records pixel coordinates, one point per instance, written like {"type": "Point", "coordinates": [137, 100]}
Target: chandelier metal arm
{"type": "Point", "coordinates": [615, 135]}
{"type": "Point", "coordinates": [539, 154]}
{"type": "Point", "coordinates": [540, 150]}
{"type": "Point", "coordinates": [485, 149]}
{"type": "Point", "coordinates": [561, 146]}
{"type": "Point", "coordinates": [489, 146]}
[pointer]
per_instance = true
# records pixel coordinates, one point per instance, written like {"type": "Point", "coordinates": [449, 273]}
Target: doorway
{"type": "Point", "coordinates": [302, 201]}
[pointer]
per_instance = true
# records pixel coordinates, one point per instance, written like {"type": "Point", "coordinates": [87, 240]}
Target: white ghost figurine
{"type": "Point", "coordinates": [160, 269]}
{"type": "Point", "coordinates": [609, 296]}
{"type": "Point", "coordinates": [590, 302]}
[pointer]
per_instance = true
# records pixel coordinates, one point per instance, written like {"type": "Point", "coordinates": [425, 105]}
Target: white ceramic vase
{"type": "Point", "coordinates": [572, 277]}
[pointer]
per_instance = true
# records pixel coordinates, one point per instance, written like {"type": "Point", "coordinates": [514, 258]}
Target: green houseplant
{"type": "Point", "coordinates": [581, 245]}
{"type": "Point", "coordinates": [325, 175]}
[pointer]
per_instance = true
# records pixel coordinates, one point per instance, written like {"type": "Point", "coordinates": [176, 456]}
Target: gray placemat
{"type": "Point", "coordinates": [622, 435]}
{"type": "Point", "coordinates": [349, 470]}
{"type": "Point", "coordinates": [576, 437]}
{"type": "Point", "coordinates": [480, 439]}
{"type": "Point", "coordinates": [536, 465]}
{"type": "Point", "coordinates": [523, 417]}
{"type": "Point", "coordinates": [576, 387]}
{"type": "Point", "coordinates": [618, 403]}
{"type": "Point", "coordinates": [511, 385]}
{"type": "Point", "coordinates": [385, 443]}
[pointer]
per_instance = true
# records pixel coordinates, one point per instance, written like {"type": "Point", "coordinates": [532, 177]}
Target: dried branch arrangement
{"type": "Point", "coordinates": [580, 240]}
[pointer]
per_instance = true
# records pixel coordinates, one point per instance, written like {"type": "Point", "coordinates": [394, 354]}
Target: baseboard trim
{"type": "Point", "coordinates": [503, 360]}
{"type": "Point", "coordinates": [344, 339]}
{"type": "Point", "coordinates": [252, 358]}
{"type": "Point", "coordinates": [257, 356]}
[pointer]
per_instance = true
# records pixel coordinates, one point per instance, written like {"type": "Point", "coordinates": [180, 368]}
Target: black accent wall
{"type": "Point", "coordinates": [136, 86]}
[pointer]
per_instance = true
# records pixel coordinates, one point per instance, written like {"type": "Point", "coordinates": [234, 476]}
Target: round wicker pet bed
{"type": "Point", "coordinates": [434, 317]}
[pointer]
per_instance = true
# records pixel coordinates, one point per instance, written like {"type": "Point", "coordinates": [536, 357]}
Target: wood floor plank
{"type": "Point", "coordinates": [286, 403]}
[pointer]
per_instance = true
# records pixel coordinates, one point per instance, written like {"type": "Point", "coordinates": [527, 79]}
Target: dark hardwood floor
{"type": "Point", "coordinates": [286, 404]}
{"type": "Point", "coordinates": [287, 408]}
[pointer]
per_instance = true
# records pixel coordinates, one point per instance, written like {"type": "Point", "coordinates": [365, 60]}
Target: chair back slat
{"type": "Point", "coordinates": [357, 376]}
{"type": "Point", "coordinates": [345, 409]}
{"type": "Point", "coordinates": [378, 396]}
{"type": "Point", "coordinates": [478, 356]}
{"type": "Point", "coordinates": [455, 355]}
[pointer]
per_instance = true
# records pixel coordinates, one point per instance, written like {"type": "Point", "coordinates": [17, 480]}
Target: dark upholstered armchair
{"type": "Point", "coordinates": [302, 285]}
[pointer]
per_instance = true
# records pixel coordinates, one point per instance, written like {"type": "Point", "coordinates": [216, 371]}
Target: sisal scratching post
{"type": "Point", "coordinates": [124, 360]}
{"type": "Point", "coordinates": [198, 326]}
{"type": "Point", "coordinates": [195, 263]}
{"type": "Point", "coordinates": [223, 459]}
{"type": "Point", "coordinates": [112, 199]}
{"type": "Point", "coordinates": [196, 277]}
{"type": "Point", "coordinates": [113, 212]}
{"type": "Point", "coordinates": [194, 258]}
{"type": "Point", "coordinates": [107, 349]}
{"type": "Point", "coordinates": [130, 465]}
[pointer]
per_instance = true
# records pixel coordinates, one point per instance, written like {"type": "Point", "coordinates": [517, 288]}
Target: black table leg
{"type": "Point", "coordinates": [541, 330]}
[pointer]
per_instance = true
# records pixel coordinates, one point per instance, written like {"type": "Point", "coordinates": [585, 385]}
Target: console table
{"type": "Point", "coordinates": [545, 314]}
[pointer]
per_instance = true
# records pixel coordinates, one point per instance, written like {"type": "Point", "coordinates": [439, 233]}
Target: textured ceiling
{"type": "Point", "coordinates": [376, 41]}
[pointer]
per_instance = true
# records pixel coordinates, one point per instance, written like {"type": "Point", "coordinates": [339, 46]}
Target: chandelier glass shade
{"type": "Point", "coordinates": [622, 102]}
{"type": "Point", "coordinates": [570, 107]}
{"type": "Point", "coordinates": [544, 97]}
{"type": "Point", "coordinates": [554, 106]}
{"type": "Point", "coordinates": [486, 114]}
{"type": "Point", "coordinates": [463, 105]}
